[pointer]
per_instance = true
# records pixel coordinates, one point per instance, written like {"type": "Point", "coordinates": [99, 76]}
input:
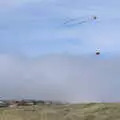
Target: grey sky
{"type": "Point", "coordinates": [60, 77]}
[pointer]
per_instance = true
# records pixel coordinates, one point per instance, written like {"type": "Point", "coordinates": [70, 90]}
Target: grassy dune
{"type": "Point", "coordinates": [91, 111]}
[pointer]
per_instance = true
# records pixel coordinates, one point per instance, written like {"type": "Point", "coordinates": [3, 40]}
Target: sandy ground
{"type": "Point", "coordinates": [91, 111]}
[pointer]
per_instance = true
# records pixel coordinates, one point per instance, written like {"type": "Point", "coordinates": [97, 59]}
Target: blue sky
{"type": "Point", "coordinates": [57, 60]}
{"type": "Point", "coordinates": [35, 28]}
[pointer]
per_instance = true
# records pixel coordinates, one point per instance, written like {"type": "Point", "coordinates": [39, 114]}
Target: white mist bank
{"type": "Point", "coordinates": [60, 77]}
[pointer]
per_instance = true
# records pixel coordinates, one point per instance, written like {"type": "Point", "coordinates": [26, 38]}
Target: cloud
{"type": "Point", "coordinates": [60, 77]}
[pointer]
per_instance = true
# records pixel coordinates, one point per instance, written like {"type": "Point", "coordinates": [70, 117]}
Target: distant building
{"type": "Point", "coordinates": [3, 104]}
{"type": "Point", "coordinates": [27, 102]}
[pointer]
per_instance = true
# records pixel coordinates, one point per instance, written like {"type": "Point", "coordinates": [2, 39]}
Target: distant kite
{"type": "Point", "coordinates": [97, 51]}
{"type": "Point", "coordinates": [80, 20]}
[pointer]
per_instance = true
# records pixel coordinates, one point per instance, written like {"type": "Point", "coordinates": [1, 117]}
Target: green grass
{"type": "Point", "coordinates": [91, 111]}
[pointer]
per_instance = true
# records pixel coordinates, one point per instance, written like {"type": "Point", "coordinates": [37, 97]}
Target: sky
{"type": "Point", "coordinates": [43, 58]}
